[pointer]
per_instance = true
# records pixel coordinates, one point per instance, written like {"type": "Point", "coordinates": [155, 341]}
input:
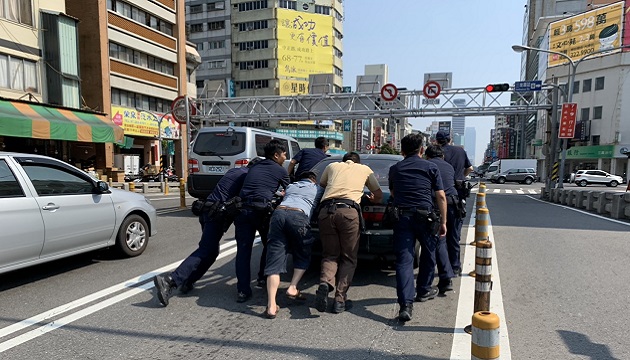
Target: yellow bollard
{"type": "Point", "coordinates": [132, 186]}
{"type": "Point", "coordinates": [485, 344]}
{"type": "Point", "coordinates": [483, 276]}
{"type": "Point", "coordinates": [166, 187]}
{"type": "Point", "coordinates": [481, 225]}
{"type": "Point", "coordinates": [481, 200]}
{"type": "Point", "coordinates": [482, 188]}
{"type": "Point", "coordinates": [109, 180]}
{"type": "Point", "coordinates": [182, 194]}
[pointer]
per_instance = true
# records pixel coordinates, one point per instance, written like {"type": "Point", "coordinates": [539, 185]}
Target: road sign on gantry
{"type": "Point", "coordinates": [431, 90]}
{"type": "Point", "coordinates": [389, 92]}
{"type": "Point", "coordinates": [567, 121]}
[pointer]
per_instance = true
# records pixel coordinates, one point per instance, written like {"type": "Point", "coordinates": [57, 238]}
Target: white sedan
{"type": "Point", "coordinates": [50, 210]}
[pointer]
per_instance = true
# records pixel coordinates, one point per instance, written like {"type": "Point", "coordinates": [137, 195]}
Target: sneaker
{"type": "Point", "coordinates": [445, 285]}
{"type": "Point", "coordinates": [261, 283]}
{"type": "Point", "coordinates": [405, 313]}
{"type": "Point", "coordinates": [427, 296]}
{"type": "Point", "coordinates": [339, 307]}
{"type": "Point", "coordinates": [321, 297]}
{"type": "Point", "coordinates": [242, 297]}
{"type": "Point", "coordinates": [457, 271]}
{"type": "Point", "coordinates": [164, 285]}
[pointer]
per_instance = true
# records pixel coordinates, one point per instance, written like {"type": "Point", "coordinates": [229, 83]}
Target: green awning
{"type": "Point", "coordinates": [29, 120]}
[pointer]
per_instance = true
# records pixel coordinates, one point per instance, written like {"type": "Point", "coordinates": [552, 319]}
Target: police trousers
{"type": "Point", "coordinates": [247, 222]}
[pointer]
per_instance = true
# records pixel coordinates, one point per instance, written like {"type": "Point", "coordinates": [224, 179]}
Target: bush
{"type": "Point", "coordinates": [388, 149]}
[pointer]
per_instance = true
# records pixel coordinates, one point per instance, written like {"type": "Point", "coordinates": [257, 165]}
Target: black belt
{"type": "Point", "coordinates": [413, 211]}
{"type": "Point", "coordinates": [341, 205]}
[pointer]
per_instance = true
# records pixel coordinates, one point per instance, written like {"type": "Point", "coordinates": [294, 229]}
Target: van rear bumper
{"type": "Point", "coordinates": [200, 186]}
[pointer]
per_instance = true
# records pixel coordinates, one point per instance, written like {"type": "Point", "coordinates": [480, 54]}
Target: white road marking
{"type": "Point", "coordinates": [508, 191]}
{"type": "Point", "coordinates": [532, 191]}
{"type": "Point", "coordinates": [460, 349]}
{"type": "Point", "coordinates": [520, 192]}
{"type": "Point", "coordinates": [131, 283]}
{"type": "Point", "coordinates": [496, 191]}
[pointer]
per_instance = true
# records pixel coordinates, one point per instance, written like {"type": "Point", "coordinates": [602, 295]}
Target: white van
{"type": "Point", "coordinates": [218, 149]}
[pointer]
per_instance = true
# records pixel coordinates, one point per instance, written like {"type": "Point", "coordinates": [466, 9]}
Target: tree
{"type": "Point", "coordinates": [388, 149]}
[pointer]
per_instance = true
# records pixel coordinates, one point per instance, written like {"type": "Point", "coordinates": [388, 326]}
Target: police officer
{"type": "Point", "coordinates": [435, 155]}
{"type": "Point", "coordinates": [259, 188]}
{"type": "Point", "coordinates": [340, 225]}
{"type": "Point", "coordinates": [214, 223]}
{"type": "Point", "coordinates": [413, 182]}
{"type": "Point", "coordinates": [457, 157]}
{"type": "Point", "coordinates": [290, 232]}
{"type": "Point", "coordinates": [307, 158]}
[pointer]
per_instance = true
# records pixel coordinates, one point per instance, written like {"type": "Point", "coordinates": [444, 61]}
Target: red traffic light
{"type": "Point", "coordinates": [497, 87]}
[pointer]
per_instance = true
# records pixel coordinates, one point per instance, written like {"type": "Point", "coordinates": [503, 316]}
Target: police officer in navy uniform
{"type": "Point", "coordinates": [214, 223]}
{"type": "Point", "coordinates": [457, 157]}
{"type": "Point", "coordinates": [413, 182]}
{"type": "Point", "coordinates": [435, 155]}
{"type": "Point", "coordinates": [308, 158]}
{"type": "Point", "coordinates": [261, 184]}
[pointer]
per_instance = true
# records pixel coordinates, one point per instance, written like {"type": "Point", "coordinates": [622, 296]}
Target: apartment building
{"type": "Point", "coordinates": [40, 94]}
{"type": "Point", "coordinates": [134, 63]}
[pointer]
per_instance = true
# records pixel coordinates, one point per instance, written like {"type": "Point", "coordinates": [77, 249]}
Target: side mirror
{"type": "Point", "coordinates": [102, 187]}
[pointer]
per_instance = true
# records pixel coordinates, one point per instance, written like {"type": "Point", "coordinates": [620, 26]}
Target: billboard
{"type": "Point", "coordinates": [304, 48]}
{"type": "Point", "coordinates": [586, 33]}
{"type": "Point", "coordinates": [145, 123]}
{"type": "Point", "coordinates": [626, 26]}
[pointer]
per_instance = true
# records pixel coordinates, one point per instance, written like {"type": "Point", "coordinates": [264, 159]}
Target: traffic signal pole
{"type": "Point", "coordinates": [552, 153]}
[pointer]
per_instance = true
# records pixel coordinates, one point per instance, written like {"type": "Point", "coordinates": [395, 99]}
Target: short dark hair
{"type": "Point", "coordinates": [274, 147]}
{"type": "Point", "coordinates": [411, 144]}
{"type": "Point", "coordinates": [352, 156]}
{"type": "Point", "coordinates": [434, 151]}
{"type": "Point", "coordinates": [308, 175]}
{"type": "Point", "coordinates": [321, 142]}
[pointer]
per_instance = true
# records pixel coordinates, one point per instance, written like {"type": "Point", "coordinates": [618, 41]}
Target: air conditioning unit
{"type": "Point", "coordinates": [250, 28]}
{"type": "Point", "coordinates": [250, 67]}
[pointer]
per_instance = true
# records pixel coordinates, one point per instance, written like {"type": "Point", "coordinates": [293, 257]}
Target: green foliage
{"type": "Point", "coordinates": [388, 149]}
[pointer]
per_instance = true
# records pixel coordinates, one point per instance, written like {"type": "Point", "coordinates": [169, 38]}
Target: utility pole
{"type": "Point", "coordinates": [552, 153]}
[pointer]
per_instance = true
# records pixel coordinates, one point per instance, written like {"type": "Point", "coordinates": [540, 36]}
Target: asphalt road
{"type": "Point", "coordinates": [562, 279]}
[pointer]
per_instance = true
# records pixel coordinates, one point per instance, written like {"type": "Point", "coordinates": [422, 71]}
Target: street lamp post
{"type": "Point", "coordinates": [159, 123]}
{"type": "Point", "coordinates": [571, 79]}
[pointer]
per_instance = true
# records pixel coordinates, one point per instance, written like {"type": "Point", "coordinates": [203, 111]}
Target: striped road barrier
{"type": "Point", "coordinates": [485, 336]}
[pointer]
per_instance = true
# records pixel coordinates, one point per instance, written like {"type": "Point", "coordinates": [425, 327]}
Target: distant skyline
{"type": "Point", "coordinates": [471, 39]}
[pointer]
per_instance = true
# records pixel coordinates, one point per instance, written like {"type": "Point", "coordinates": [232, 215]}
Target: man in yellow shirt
{"type": "Point", "coordinates": [339, 225]}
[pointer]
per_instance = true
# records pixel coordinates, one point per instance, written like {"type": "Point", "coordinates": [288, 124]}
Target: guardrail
{"type": "Point", "coordinates": [611, 204]}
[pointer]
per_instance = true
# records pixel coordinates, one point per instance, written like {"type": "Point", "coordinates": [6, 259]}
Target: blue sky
{"type": "Point", "coordinates": [471, 39]}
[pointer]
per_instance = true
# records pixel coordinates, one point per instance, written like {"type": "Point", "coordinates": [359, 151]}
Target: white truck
{"type": "Point", "coordinates": [503, 165]}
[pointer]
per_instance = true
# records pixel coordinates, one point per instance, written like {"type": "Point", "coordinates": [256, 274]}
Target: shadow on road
{"type": "Point", "coordinates": [580, 344]}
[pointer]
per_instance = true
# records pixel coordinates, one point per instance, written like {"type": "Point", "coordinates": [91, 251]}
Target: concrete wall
{"type": "Point", "coordinates": [615, 205]}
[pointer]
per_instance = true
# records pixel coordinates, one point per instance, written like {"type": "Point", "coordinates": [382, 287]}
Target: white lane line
{"type": "Point", "coordinates": [532, 191]}
{"type": "Point", "coordinates": [460, 349]}
{"type": "Point", "coordinates": [520, 192]}
{"type": "Point", "coordinates": [8, 330]}
{"type": "Point", "coordinates": [496, 191]}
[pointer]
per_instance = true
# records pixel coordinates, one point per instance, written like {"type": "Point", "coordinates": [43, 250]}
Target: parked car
{"type": "Point", "coordinates": [585, 177]}
{"type": "Point", "coordinates": [50, 210]}
{"type": "Point", "coordinates": [218, 149]}
{"type": "Point", "coordinates": [377, 241]}
{"type": "Point", "coordinates": [521, 175]}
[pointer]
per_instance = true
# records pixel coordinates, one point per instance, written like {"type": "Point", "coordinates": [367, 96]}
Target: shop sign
{"type": "Point", "coordinates": [145, 123]}
{"type": "Point", "coordinates": [591, 152]}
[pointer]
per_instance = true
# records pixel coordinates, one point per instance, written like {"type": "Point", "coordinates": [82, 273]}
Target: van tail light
{"type": "Point", "coordinates": [373, 216]}
{"type": "Point", "coordinates": [241, 162]}
{"type": "Point", "coordinates": [193, 166]}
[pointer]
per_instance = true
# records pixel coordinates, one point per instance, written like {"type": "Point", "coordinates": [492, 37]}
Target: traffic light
{"type": "Point", "coordinates": [497, 87]}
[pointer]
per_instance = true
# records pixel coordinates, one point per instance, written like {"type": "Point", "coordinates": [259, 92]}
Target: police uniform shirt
{"type": "Point", "coordinates": [307, 159]}
{"type": "Point", "coordinates": [413, 182]}
{"type": "Point", "coordinates": [263, 179]}
{"type": "Point", "coordinates": [229, 185]}
{"type": "Point", "coordinates": [456, 156]}
{"type": "Point", "coordinates": [448, 176]}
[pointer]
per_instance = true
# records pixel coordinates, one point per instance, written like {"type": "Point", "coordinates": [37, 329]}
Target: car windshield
{"type": "Point", "coordinates": [379, 166]}
{"type": "Point", "coordinates": [219, 143]}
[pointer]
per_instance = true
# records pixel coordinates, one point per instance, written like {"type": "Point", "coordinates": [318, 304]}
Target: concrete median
{"type": "Point", "coordinates": [615, 205]}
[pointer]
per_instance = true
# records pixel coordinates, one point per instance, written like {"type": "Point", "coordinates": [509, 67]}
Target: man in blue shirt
{"type": "Point", "coordinates": [457, 157]}
{"type": "Point", "coordinates": [308, 158]}
{"type": "Point", "coordinates": [213, 223]}
{"type": "Point", "coordinates": [290, 232]}
{"type": "Point", "coordinates": [260, 186]}
{"type": "Point", "coordinates": [435, 155]}
{"type": "Point", "coordinates": [413, 182]}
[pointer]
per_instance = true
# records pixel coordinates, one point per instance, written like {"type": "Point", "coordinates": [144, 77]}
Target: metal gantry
{"type": "Point", "coordinates": [408, 104]}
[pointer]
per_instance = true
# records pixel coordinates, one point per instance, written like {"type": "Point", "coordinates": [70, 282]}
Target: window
{"type": "Point", "coordinates": [194, 28]}
{"type": "Point", "coordinates": [219, 5]}
{"type": "Point", "coordinates": [319, 9]}
{"type": "Point", "coordinates": [216, 25]}
{"type": "Point", "coordinates": [253, 45]}
{"type": "Point", "coordinates": [599, 83]}
{"type": "Point", "coordinates": [585, 114]}
{"type": "Point", "coordinates": [261, 141]}
{"type": "Point", "coordinates": [139, 15]}
{"type": "Point", "coordinates": [254, 84]}
{"type": "Point", "coordinates": [9, 186]}
{"type": "Point", "coordinates": [53, 181]}
{"type": "Point", "coordinates": [18, 74]}
{"type": "Point", "coordinates": [576, 87]}
{"type": "Point", "coordinates": [295, 147]}
{"type": "Point", "coordinates": [253, 25]}
{"type": "Point", "coordinates": [597, 112]}
{"type": "Point", "coordinates": [595, 140]}
{"type": "Point", "coordinates": [338, 53]}
{"type": "Point", "coordinates": [586, 85]}
{"type": "Point", "coordinates": [217, 64]}
{"type": "Point", "coordinates": [196, 9]}
{"type": "Point", "coordinates": [216, 44]}
{"type": "Point", "coordinates": [251, 65]}
{"type": "Point", "coordinates": [17, 10]}
{"type": "Point", "coordinates": [136, 57]}
{"type": "Point", "coordinates": [288, 4]}
{"type": "Point", "coordinates": [252, 5]}
{"type": "Point", "coordinates": [139, 101]}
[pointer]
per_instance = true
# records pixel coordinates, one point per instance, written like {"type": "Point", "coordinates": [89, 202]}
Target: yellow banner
{"type": "Point", "coordinates": [145, 123]}
{"type": "Point", "coordinates": [586, 33]}
{"type": "Point", "coordinates": [304, 46]}
{"type": "Point", "coordinates": [293, 87]}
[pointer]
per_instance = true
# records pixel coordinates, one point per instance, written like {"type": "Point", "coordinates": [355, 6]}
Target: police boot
{"type": "Point", "coordinates": [164, 285]}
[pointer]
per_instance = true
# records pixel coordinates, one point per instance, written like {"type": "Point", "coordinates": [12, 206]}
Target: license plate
{"type": "Point", "coordinates": [216, 169]}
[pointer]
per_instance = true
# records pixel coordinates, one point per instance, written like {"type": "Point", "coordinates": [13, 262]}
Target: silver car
{"type": "Point", "coordinates": [50, 210]}
{"type": "Point", "coordinates": [585, 177]}
{"type": "Point", "coordinates": [526, 176]}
